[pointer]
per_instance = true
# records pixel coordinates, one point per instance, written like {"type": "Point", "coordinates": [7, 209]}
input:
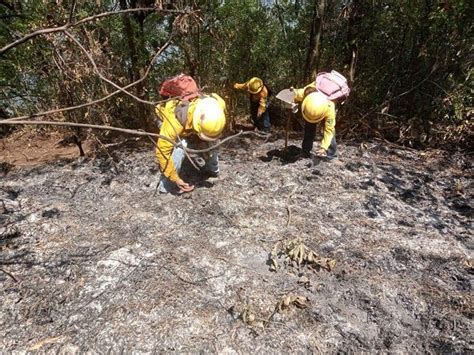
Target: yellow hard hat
{"type": "Point", "coordinates": [208, 119]}
{"type": "Point", "coordinates": [314, 106]}
{"type": "Point", "coordinates": [255, 85]}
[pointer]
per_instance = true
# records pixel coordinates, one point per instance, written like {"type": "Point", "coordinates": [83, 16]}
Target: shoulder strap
{"type": "Point", "coordinates": [182, 109]}
{"type": "Point", "coordinates": [181, 112]}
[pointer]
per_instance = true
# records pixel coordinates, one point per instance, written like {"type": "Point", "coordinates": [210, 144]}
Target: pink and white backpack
{"type": "Point", "coordinates": [333, 85]}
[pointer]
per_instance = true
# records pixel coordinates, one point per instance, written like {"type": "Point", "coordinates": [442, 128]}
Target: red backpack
{"type": "Point", "coordinates": [333, 85]}
{"type": "Point", "coordinates": [181, 86]}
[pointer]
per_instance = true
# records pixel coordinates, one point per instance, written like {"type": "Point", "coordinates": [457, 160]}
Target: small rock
{"type": "Point", "coordinates": [9, 206]}
{"type": "Point", "coordinates": [50, 213]}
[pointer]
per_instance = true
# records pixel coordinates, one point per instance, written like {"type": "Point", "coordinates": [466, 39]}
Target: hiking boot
{"type": "Point", "coordinates": [303, 155]}
{"type": "Point", "coordinates": [209, 174]}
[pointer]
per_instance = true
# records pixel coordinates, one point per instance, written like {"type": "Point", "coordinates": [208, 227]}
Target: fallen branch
{"type": "Point", "coordinates": [9, 274]}
{"type": "Point", "coordinates": [46, 341]}
{"type": "Point", "coordinates": [155, 143]}
{"type": "Point", "coordinates": [84, 20]}
{"type": "Point", "coordinates": [132, 131]}
{"type": "Point", "coordinates": [192, 282]}
{"type": "Point", "coordinates": [241, 133]}
{"type": "Point", "coordinates": [288, 206]}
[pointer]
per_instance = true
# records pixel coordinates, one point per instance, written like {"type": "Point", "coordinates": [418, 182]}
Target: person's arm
{"type": "Point", "coordinates": [300, 93]}
{"type": "Point", "coordinates": [329, 128]}
{"type": "Point", "coordinates": [262, 106]}
{"type": "Point", "coordinates": [159, 111]}
{"type": "Point", "coordinates": [243, 86]}
{"type": "Point", "coordinates": [164, 148]}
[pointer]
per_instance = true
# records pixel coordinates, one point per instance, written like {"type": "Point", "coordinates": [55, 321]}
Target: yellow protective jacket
{"type": "Point", "coordinates": [329, 117]}
{"type": "Point", "coordinates": [260, 97]}
{"type": "Point", "coordinates": [172, 129]}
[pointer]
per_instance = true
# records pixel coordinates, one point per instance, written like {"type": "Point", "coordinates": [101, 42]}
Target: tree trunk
{"type": "Point", "coordinates": [314, 45]}
{"type": "Point", "coordinates": [129, 34]}
{"type": "Point", "coordinates": [353, 24]}
{"type": "Point", "coordinates": [135, 48]}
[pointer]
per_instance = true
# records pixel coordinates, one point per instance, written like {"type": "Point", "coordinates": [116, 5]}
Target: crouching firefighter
{"type": "Point", "coordinates": [318, 106]}
{"type": "Point", "coordinates": [258, 95]}
{"type": "Point", "coordinates": [204, 116]}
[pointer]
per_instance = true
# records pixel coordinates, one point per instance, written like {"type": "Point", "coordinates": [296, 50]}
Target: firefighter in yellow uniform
{"type": "Point", "coordinates": [203, 116]}
{"type": "Point", "coordinates": [317, 108]}
{"type": "Point", "coordinates": [258, 94]}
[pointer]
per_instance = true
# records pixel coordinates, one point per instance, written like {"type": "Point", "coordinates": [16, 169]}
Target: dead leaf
{"type": "Point", "coordinates": [288, 300]}
{"type": "Point", "coordinates": [304, 281]}
{"type": "Point", "coordinates": [458, 186]}
{"type": "Point", "coordinates": [331, 264]}
{"type": "Point", "coordinates": [301, 302]}
{"type": "Point", "coordinates": [274, 266]}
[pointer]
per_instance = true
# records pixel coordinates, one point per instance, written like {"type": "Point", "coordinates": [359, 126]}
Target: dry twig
{"type": "Point", "coordinates": [70, 108]}
{"type": "Point", "coordinates": [102, 77]}
{"type": "Point", "coordinates": [9, 274]}
{"type": "Point", "coordinates": [288, 206]}
{"type": "Point", "coordinates": [84, 20]}
{"type": "Point", "coordinates": [131, 131]}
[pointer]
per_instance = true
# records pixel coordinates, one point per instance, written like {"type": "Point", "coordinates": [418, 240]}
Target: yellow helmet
{"type": "Point", "coordinates": [208, 119]}
{"type": "Point", "coordinates": [314, 106]}
{"type": "Point", "coordinates": [255, 85]}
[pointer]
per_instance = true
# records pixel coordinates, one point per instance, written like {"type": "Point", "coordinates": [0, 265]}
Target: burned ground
{"type": "Point", "coordinates": [92, 259]}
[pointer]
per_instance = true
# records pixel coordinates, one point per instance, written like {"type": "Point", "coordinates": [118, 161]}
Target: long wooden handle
{"type": "Point", "coordinates": [287, 128]}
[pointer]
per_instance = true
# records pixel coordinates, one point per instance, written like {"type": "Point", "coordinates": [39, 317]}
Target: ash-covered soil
{"type": "Point", "coordinates": [91, 259]}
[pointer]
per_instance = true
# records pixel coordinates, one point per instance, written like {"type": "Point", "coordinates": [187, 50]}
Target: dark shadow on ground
{"type": "Point", "coordinates": [291, 155]}
{"type": "Point", "coordinates": [286, 156]}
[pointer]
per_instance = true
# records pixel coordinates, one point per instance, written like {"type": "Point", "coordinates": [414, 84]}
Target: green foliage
{"type": "Point", "coordinates": [411, 61]}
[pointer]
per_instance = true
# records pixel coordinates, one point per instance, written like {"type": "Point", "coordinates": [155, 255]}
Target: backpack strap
{"type": "Point", "coordinates": [182, 109]}
{"type": "Point", "coordinates": [181, 112]}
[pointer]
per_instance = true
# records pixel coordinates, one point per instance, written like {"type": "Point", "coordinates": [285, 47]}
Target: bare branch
{"type": "Point", "coordinates": [9, 274]}
{"type": "Point", "coordinates": [96, 70]}
{"type": "Point", "coordinates": [84, 20]}
{"type": "Point", "coordinates": [73, 9]}
{"type": "Point", "coordinates": [73, 124]}
{"type": "Point", "coordinates": [155, 143]}
{"type": "Point", "coordinates": [147, 71]}
{"type": "Point", "coordinates": [241, 133]}
{"type": "Point", "coordinates": [132, 131]}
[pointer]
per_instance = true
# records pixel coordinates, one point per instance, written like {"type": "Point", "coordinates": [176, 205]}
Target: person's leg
{"type": "Point", "coordinates": [253, 114]}
{"type": "Point", "coordinates": [309, 134]}
{"type": "Point", "coordinates": [332, 151]}
{"type": "Point", "coordinates": [212, 161]}
{"type": "Point", "coordinates": [266, 120]}
{"type": "Point", "coordinates": [166, 185]}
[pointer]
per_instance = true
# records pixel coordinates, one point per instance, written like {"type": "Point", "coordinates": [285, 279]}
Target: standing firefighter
{"type": "Point", "coordinates": [258, 94]}
{"type": "Point", "coordinates": [317, 106]}
{"type": "Point", "coordinates": [195, 113]}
